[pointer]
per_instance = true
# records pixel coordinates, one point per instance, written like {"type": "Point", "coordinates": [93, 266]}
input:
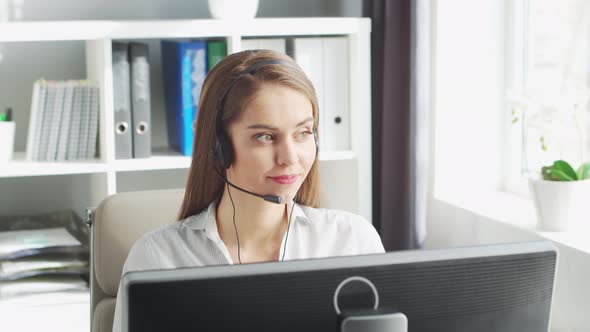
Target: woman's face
{"type": "Point", "coordinates": [273, 142]}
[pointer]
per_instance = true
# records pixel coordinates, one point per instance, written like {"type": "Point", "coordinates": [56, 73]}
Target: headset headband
{"type": "Point", "coordinates": [251, 69]}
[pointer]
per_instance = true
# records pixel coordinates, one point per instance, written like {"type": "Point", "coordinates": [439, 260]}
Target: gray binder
{"type": "Point", "coordinates": [140, 100]}
{"type": "Point", "coordinates": [122, 102]}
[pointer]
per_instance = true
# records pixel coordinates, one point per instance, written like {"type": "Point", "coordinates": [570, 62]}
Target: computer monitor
{"type": "Point", "coordinates": [502, 287]}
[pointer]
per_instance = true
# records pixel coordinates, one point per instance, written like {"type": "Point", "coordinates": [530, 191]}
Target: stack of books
{"type": "Point", "coordinates": [64, 121]}
{"type": "Point", "coordinates": [43, 254]}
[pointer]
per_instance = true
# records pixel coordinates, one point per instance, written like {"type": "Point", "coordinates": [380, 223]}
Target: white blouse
{"type": "Point", "coordinates": [195, 241]}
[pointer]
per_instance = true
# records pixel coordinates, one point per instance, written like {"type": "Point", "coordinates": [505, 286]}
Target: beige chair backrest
{"type": "Point", "coordinates": [117, 223]}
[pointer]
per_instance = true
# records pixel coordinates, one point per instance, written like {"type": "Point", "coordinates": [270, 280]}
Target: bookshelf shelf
{"type": "Point", "coordinates": [19, 167]}
{"type": "Point", "coordinates": [90, 30]}
{"type": "Point", "coordinates": [155, 162]}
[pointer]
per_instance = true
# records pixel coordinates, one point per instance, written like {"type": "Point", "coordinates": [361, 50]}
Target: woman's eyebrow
{"type": "Point", "coordinates": [267, 127]}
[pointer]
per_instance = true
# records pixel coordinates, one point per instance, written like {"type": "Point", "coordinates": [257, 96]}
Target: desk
{"type": "Point", "coordinates": [63, 312]}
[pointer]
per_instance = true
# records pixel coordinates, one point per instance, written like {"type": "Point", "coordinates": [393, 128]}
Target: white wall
{"type": "Point", "coordinates": [467, 132]}
{"type": "Point", "coordinates": [468, 93]}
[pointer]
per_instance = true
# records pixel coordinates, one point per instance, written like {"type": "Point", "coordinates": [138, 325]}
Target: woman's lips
{"type": "Point", "coordinates": [285, 179]}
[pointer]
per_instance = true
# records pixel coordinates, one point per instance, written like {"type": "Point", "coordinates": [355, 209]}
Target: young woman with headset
{"type": "Point", "coordinates": [252, 193]}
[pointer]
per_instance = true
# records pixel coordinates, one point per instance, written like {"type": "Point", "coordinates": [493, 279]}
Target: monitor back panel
{"type": "Point", "coordinates": [497, 293]}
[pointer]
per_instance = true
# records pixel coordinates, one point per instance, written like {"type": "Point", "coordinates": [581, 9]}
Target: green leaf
{"type": "Point", "coordinates": [584, 171]}
{"type": "Point", "coordinates": [559, 171]}
{"type": "Point", "coordinates": [564, 171]}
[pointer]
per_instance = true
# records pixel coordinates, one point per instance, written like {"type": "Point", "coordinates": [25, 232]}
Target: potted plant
{"type": "Point", "coordinates": [561, 196]}
{"type": "Point", "coordinates": [553, 130]}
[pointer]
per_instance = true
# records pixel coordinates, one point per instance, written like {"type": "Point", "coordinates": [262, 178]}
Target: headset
{"type": "Point", "coordinates": [223, 151]}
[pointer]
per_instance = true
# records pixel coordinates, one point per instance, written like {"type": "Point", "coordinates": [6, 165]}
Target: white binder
{"type": "Point", "coordinates": [325, 61]}
{"type": "Point", "coordinates": [36, 120]}
{"type": "Point", "coordinates": [336, 94]}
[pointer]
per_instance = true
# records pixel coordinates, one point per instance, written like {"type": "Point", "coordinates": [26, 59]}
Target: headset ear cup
{"type": "Point", "coordinates": [227, 154]}
{"type": "Point", "coordinates": [218, 154]}
{"type": "Point", "coordinates": [224, 151]}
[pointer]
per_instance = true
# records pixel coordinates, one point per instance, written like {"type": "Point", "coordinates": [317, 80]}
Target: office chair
{"type": "Point", "coordinates": [117, 222]}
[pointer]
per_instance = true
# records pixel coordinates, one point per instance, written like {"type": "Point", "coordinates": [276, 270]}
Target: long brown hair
{"type": "Point", "coordinates": [204, 185]}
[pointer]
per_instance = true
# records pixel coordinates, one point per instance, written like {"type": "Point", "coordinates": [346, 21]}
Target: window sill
{"type": "Point", "coordinates": [516, 211]}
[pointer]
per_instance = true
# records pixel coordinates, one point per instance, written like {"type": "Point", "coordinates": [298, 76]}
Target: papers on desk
{"type": "Point", "coordinates": [26, 242]}
{"type": "Point", "coordinates": [43, 254]}
{"type": "Point", "coordinates": [43, 284]}
{"type": "Point", "coordinates": [30, 267]}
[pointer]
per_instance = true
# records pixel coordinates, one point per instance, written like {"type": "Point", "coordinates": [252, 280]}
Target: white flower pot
{"type": "Point", "coordinates": [233, 9]}
{"type": "Point", "coordinates": [561, 204]}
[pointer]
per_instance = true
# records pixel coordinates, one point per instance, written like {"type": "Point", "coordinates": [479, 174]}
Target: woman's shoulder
{"type": "Point", "coordinates": [147, 248]}
{"type": "Point", "coordinates": [344, 225]}
{"type": "Point", "coordinates": [170, 231]}
{"type": "Point", "coordinates": [154, 248]}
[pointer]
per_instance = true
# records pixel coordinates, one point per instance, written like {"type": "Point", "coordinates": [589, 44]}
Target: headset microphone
{"type": "Point", "coordinates": [268, 198]}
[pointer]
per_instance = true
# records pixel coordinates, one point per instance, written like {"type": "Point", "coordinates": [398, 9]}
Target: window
{"type": "Point", "coordinates": [548, 87]}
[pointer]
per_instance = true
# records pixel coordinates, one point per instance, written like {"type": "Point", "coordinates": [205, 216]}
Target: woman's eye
{"type": "Point", "coordinates": [304, 134]}
{"type": "Point", "coordinates": [263, 137]}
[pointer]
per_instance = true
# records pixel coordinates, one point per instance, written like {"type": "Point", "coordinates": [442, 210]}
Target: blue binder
{"type": "Point", "coordinates": [184, 67]}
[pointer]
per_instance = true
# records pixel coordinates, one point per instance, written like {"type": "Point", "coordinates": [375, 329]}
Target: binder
{"type": "Point", "coordinates": [93, 129]}
{"type": "Point", "coordinates": [62, 144]}
{"type": "Point", "coordinates": [122, 101]}
{"type": "Point", "coordinates": [36, 121]}
{"type": "Point", "coordinates": [307, 52]}
{"type": "Point", "coordinates": [140, 100]}
{"type": "Point", "coordinates": [184, 67]}
{"type": "Point", "coordinates": [336, 90]}
{"type": "Point", "coordinates": [85, 123]}
{"type": "Point", "coordinates": [54, 129]}
{"type": "Point", "coordinates": [48, 111]}
{"type": "Point", "coordinates": [75, 123]}
{"type": "Point", "coordinates": [42, 106]}
{"type": "Point", "coordinates": [326, 63]}
{"type": "Point", "coordinates": [216, 51]}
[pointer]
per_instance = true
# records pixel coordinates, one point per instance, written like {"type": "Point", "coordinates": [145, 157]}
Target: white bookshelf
{"type": "Point", "coordinates": [36, 187]}
{"type": "Point", "coordinates": [346, 175]}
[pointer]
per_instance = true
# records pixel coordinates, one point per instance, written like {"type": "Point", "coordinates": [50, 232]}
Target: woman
{"type": "Point", "coordinates": [252, 193]}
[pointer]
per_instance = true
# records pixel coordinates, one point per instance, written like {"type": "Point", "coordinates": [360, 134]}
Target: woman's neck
{"type": "Point", "coordinates": [260, 224]}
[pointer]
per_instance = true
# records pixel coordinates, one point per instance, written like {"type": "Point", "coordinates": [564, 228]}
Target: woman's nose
{"type": "Point", "coordinates": [287, 153]}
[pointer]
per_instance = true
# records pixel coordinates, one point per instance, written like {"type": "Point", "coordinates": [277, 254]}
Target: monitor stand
{"type": "Point", "coordinates": [372, 320]}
